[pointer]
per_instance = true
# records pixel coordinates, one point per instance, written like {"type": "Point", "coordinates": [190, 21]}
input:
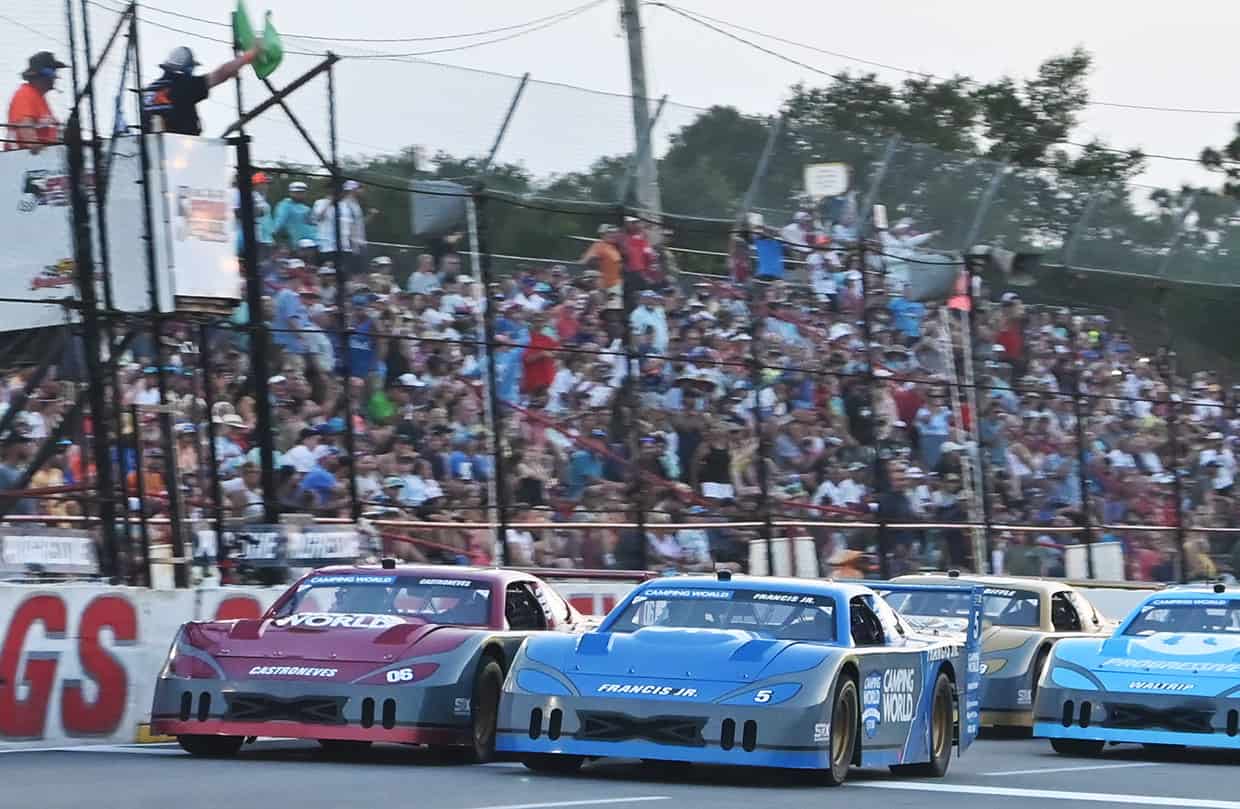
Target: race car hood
{"type": "Point", "coordinates": [1199, 655]}
{"type": "Point", "coordinates": [371, 639]}
{"type": "Point", "coordinates": [658, 653]}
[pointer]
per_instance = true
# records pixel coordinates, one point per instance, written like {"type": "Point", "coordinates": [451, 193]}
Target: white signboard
{"type": "Point", "coordinates": [192, 223]}
{"type": "Point", "coordinates": [196, 217]}
{"type": "Point", "coordinates": [36, 251]}
{"type": "Point", "coordinates": [826, 179]}
{"type": "Point", "coordinates": [49, 550]}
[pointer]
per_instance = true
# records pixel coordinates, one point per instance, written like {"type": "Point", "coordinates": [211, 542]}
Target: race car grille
{"type": "Point", "coordinates": [1179, 719]}
{"type": "Point", "coordinates": [265, 708]}
{"type": "Point", "coordinates": [605, 726]}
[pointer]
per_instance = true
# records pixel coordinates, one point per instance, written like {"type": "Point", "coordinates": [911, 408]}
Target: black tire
{"type": "Point", "coordinates": [484, 709]}
{"type": "Point", "coordinates": [845, 719]}
{"type": "Point", "coordinates": [344, 747]}
{"type": "Point", "coordinates": [552, 764]}
{"type": "Point", "coordinates": [211, 746]}
{"type": "Point", "coordinates": [1087, 748]}
{"type": "Point", "coordinates": [942, 726]}
{"type": "Point", "coordinates": [1039, 663]}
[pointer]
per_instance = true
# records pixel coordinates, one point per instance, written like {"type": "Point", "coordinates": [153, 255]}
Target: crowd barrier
{"type": "Point", "coordinates": [78, 662]}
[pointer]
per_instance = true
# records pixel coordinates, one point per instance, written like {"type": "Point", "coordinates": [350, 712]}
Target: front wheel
{"type": "Point", "coordinates": [211, 746]}
{"type": "Point", "coordinates": [941, 721]}
{"type": "Point", "coordinates": [484, 709]}
{"type": "Point", "coordinates": [554, 765]}
{"type": "Point", "coordinates": [844, 721]}
{"type": "Point", "coordinates": [1077, 747]}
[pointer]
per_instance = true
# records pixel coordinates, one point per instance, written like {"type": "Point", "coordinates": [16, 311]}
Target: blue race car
{"type": "Point", "coordinates": [763, 672]}
{"type": "Point", "coordinates": [1170, 674]}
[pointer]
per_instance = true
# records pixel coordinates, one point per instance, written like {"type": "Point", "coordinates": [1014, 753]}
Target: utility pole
{"type": "Point", "coordinates": [647, 172]}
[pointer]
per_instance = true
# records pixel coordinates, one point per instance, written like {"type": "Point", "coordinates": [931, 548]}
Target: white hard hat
{"type": "Point", "coordinates": [181, 60]}
{"type": "Point", "coordinates": [297, 186]}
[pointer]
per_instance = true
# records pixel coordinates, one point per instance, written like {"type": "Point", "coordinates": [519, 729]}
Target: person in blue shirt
{"type": "Point", "coordinates": [320, 482]}
{"type": "Point", "coordinates": [470, 461]}
{"type": "Point", "coordinates": [906, 317]}
{"type": "Point", "coordinates": [290, 317]}
{"type": "Point", "coordinates": [770, 256]}
{"type": "Point", "coordinates": [361, 341]}
{"type": "Point", "coordinates": [508, 370]}
{"type": "Point", "coordinates": [292, 217]}
{"type": "Point", "coordinates": [585, 468]}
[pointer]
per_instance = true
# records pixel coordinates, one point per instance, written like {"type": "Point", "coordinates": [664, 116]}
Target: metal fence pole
{"type": "Point", "coordinates": [633, 168]}
{"type": "Point", "coordinates": [489, 413]}
{"type": "Point", "coordinates": [488, 324]}
{"type": "Point", "coordinates": [342, 295]}
{"type": "Point", "coordinates": [983, 461]}
{"type": "Point", "coordinates": [983, 206]}
{"type": "Point", "coordinates": [764, 163]}
{"type": "Point", "coordinates": [1079, 414]}
{"type": "Point", "coordinates": [144, 527]}
{"type": "Point", "coordinates": [756, 300]}
{"type": "Point", "coordinates": [629, 397]}
{"type": "Point", "coordinates": [259, 335]}
{"type": "Point", "coordinates": [217, 494]}
{"type": "Point", "coordinates": [149, 170]}
{"type": "Point", "coordinates": [503, 127]}
{"type": "Point", "coordinates": [84, 263]}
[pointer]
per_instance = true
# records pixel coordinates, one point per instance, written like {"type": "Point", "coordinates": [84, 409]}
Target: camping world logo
{"type": "Point", "coordinates": [871, 703]}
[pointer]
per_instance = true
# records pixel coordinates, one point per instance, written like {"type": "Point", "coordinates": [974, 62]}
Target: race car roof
{"type": "Point", "coordinates": [768, 584]}
{"type": "Point", "coordinates": [1043, 586]}
{"type": "Point", "coordinates": [1193, 592]}
{"type": "Point", "coordinates": [489, 574]}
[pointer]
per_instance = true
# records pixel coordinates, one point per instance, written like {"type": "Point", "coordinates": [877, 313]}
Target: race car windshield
{"type": "Point", "coordinates": [1000, 606]}
{"type": "Point", "coordinates": [1209, 617]}
{"type": "Point", "coordinates": [780, 616]}
{"type": "Point", "coordinates": [460, 602]}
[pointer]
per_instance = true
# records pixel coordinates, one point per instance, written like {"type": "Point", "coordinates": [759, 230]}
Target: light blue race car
{"type": "Point", "coordinates": [1169, 675]}
{"type": "Point", "coordinates": [763, 672]}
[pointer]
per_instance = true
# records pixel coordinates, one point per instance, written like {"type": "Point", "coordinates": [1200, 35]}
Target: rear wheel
{"type": "Point", "coordinates": [344, 747]}
{"type": "Point", "coordinates": [941, 722]}
{"type": "Point", "coordinates": [554, 765]}
{"type": "Point", "coordinates": [211, 746]}
{"type": "Point", "coordinates": [484, 709]}
{"type": "Point", "coordinates": [844, 717]}
{"type": "Point", "coordinates": [1077, 747]}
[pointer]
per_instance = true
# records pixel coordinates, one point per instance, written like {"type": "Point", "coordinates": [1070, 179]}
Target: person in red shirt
{"type": "Point", "coordinates": [538, 361]}
{"type": "Point", "coordinates": [639, 256]}
{"type": "Point", "coordinates": [31, 124]}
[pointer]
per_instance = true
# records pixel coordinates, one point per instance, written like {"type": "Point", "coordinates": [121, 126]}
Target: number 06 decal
{"type": "Point", "coordinates": [763, 695]}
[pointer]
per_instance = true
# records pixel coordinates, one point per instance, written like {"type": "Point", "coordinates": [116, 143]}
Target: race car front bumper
{"type": "Point", "coordinates": [664, 730]}
{"type": "Point", "coordinates": [303, 709]}
{"type": "Point", "coordinates": [1137, 718]}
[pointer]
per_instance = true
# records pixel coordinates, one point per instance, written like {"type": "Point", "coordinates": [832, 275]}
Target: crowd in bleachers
{"type": "Point", "coordinates": [763, 375]}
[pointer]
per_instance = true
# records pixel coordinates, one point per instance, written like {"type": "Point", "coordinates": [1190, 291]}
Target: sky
{"type": "Point", "coordinates": [1148, 54]}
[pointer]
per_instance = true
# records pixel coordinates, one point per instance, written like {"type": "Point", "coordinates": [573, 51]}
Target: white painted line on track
{"type": "Point", "coordinates": [1053, 795]}
{"type": "Point", "coordinates": [594, 802]}
{"type": "Point", "coordinates": [1078, 769]}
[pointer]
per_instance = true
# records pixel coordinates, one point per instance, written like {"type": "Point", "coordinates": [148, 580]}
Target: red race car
{"type": "Point", "coordinates": [352, 655]}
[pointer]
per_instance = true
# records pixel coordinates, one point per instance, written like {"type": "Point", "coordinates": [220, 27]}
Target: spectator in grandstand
{"type": "Point", "coordinates": [292, 218]}
{"type": "Point", "coordinates": [170, 103]}
{"type": "Point", "coordinates": [31, 123]}
{"type": "Point", "coordinates": [605, 257]}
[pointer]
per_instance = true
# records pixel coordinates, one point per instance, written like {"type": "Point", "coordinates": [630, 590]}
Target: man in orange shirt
{"type": "Point", "coordinates": [31, 124]}
{"type": "Point", "coordinates": [604, 256]}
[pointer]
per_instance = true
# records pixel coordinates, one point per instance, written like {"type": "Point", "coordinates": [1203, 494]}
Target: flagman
{"type": "Point", "coordinates": [170, 103]}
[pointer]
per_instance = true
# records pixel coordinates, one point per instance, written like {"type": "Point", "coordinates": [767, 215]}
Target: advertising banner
{"type": "Point", "coordinates": [192, 222]}
{"type": "Point", "coordinates": [47, 550]}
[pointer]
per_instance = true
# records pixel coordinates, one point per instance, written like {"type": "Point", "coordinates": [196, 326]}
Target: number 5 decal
{"type": "Point", "coordinates": [764, 695]}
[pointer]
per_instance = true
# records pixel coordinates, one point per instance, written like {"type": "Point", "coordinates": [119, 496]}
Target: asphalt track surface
{"type": "Point", "coordinates": [1021, 773]}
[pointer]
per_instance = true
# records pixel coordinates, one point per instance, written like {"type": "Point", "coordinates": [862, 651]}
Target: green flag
{"type": "Point", "coordinates": [272, 53]}
{"type": "Point", "coordinates": [243, 31]}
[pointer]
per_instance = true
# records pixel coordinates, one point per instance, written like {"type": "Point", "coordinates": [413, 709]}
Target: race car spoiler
{"type": "Point", "coordinates": [969, 662]}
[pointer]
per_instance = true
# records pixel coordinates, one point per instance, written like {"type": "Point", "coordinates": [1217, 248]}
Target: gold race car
{"type": "Point", "coordinates": [1022, 618]}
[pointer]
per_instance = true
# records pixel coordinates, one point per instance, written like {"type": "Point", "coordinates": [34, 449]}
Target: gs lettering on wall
{"type": "Point", "coordinates": [33, 668]}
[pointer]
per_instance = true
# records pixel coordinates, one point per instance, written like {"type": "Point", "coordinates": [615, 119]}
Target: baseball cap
{"type": "Point", "coordinates": [352, 185]}
{"type": "Point", "coordinates": [393, 482]}
{"type": "Point", "coordinates": [298, 185]}
{"type": "Point", "coordinates": [306, 244]}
